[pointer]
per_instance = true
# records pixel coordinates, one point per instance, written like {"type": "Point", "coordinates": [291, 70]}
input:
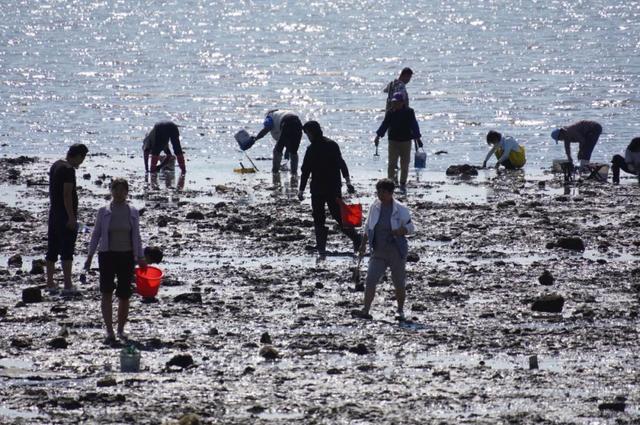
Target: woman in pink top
{"type": "Point", "coordinates": [116, 236]}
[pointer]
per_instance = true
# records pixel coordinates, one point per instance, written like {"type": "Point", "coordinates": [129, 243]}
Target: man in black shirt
{"type": "Point", "coordinates": [63, 212]}
{"type": "Point", "coordinates": [323, 162]}
{"type": "Point", "coordinates": [157, 140]}
{"type": "Point", "coordinates": [403, 127]}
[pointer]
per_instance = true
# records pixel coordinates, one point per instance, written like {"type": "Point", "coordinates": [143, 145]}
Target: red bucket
{"type": "Point", "coordinates": [148, 281]}
{"type": "Point", "coordinates": [351, 215]}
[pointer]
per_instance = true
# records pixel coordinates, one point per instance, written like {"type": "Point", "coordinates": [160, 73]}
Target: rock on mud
{"type": "Point", "coordinates": [464, 170]}
{"type": "Point", "coordinates": [195, 215]}
{"type": "Point", "coordinates": [269, 352]}
{"type": "Point", "coordinates": [189, 419]}
{"type": "Point", "coordinates": [550, 303]}
{"type": "Point", "coordinates": [189, 298]}
{"type": "Point", "coordinates": [37, 266]}
{"type": "Point", "coordinates": [546, 278]}
{"type": "Point", "coordinates": [265, 338]}
{"type": "Point", "coordinates": [59, 343]}
{"type": "Point", "coordinates": [181, 360]}
{"type": "Point", "coordinates": [15, 261]}
{"type": "Point", "coordinates": [31, 295]}
{"type": "Point", "coordinates": [570, 243]}
{"type": "Point", "coordinates": [360, 349]}
{"type": "Point", "coordinates": [107, 381]}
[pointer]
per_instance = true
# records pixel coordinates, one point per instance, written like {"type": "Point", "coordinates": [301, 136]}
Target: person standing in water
{"type": "Point", "coordinates": [403, 127]}
{"type": "Point", "coordinates": [116, 237]}
{"type": "Point", "coordinates": [398, 85]}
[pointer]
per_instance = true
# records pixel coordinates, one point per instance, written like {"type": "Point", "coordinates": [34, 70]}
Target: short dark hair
{"type": "Point", "coordinates": [77, 149]}
{"type": "Point", "coordinates": [493, 136]}
{"type": "Point", "coordinates": [119, 181]}
{"type": "Point", "coordinates": [386, 185]}
{"type": "Point", "coordinates": [634, 146]}
{"type": "Point", "coordinates": [406, 71]}
{"type": "Point", "coordinates": [312, 127]}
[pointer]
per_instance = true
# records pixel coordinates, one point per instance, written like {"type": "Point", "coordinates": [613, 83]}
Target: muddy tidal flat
{"type": "Point", "coordinates": [523, 304]}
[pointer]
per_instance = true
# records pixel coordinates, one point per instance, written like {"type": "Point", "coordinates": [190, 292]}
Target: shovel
{"type": "Point", "coordinates": [355, 275]}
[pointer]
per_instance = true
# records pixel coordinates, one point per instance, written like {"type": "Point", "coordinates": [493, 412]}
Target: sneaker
{"type": "Point", "coordinates": [400, 317]}
{"type": "Point", "coordinates": [361, 314]}
{"type": "Point", "coordinates": [403, 189]}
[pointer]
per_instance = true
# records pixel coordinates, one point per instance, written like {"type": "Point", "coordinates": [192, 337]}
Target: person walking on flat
{"type": "Point", "coordinates": [323, 162]}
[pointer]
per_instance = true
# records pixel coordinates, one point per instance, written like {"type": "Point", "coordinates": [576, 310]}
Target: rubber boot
{"type": "Point", "coordinates": [355, 237]}
{"type": "Point", "coordinates": [154, 163]}
{"type": "Point", "coordinates": [616, 174]}
{"type": "Point", "coordinates": [181, 163]}
{"type": "Point", "coordinates": [277, 159]}
{"type": "Point", "coordinates": [321, 240]}
{"type": "Point", "coordinates": [294, 163]}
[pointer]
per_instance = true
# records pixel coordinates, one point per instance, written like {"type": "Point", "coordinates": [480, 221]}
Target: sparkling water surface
{"type": "Point", "coordinates": [102, 72]}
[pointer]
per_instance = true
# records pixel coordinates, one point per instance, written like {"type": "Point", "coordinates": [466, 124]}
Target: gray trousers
{"type": "Point", "coordinates": [378, 264]}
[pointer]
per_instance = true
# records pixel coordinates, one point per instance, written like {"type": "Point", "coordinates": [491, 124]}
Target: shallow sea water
{"type": "Point", "coordinates": [103, 72]}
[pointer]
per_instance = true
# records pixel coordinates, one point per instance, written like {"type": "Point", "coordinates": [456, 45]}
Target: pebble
{"type": "Point", "coordinates": [550, 303]}
{"type": "Point", "coordinates": [31, 295]}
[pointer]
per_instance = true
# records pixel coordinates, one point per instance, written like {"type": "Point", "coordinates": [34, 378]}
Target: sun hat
{"type": "Point", "coordinates": [555, 134]}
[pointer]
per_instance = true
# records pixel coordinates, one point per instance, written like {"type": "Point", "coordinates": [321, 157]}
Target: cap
{"type": "Point", "coordinates": [397, 97]}
{"type": "Point", "coordinates": [555, 134]}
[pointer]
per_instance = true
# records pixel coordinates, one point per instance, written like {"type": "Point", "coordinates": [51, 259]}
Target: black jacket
{"type": "Point", "coordinates": [323, 161]}
{"type": "Point", "coordinates": [402, 125]}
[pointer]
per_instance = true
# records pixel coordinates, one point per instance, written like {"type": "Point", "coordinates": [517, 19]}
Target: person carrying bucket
{"type": "Point", "coordinates": [157, 140]}
{"type": "Point", "coordinates": [385, 230]}
{"type": "Point", "coordinates": [116, 237]}
{"type": "Point", "coordinates": [324, 163]}
{"type": "Point", "coordinates": [286, 129]}
{"type": "Point", "coordinates": [403, 127]}
{"type": "Point", "coordinates": [509, 153]}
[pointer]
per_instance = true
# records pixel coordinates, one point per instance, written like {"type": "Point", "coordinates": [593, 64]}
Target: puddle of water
{"type": "Point", "coordinates": [5, 412]}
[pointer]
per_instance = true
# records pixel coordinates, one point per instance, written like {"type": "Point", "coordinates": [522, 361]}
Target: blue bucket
{"type": "Point", "coordinates": [420, 159]}
{"type": "Point", "coordinates": [244, 140]}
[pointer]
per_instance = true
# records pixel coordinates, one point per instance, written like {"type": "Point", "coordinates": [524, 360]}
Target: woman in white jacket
{"type": "Point", "coordinates": [386, 228]}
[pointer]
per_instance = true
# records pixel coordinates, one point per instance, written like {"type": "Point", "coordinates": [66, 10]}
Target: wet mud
{"type": "Point", "coordinates": [523, 308]}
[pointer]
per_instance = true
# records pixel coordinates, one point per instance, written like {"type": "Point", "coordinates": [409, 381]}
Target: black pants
{"type": "Point", "coordinates": [590, 139]}
{"type": "Point", "coordinates": [290, 135]}
{"type": "Point", "coordinates": [319, 213]}
{"type": "Point", "coordinates": [114, 264]}
{"type": "Point", "coordinates": [165, 132]}
{"type": "Point", "coordinates": [60, 239]}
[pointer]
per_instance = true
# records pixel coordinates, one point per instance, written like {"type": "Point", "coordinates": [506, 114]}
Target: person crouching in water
{"type": "Point", "coordinates": [388, 223]}
{"type": "Point", "coordinates": [629, 164]}
{"type": "Point", "coordinates": [323, 162]}
{"type": "Point", "coordinates": [116, 236]}
{"type": "Point", "coordinates": [510, 154]}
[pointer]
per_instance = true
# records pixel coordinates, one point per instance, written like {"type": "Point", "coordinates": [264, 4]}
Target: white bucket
{"type": "Point", "coordinates": [129, 362]}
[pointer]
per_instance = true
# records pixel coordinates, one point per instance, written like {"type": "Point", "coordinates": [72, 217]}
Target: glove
{"type": "Point", "coordinates": [350, 188]}
{"type": "Point", "coordinates": [301, 195]}
{"type": "Point", "coordinates": [420, 143]}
